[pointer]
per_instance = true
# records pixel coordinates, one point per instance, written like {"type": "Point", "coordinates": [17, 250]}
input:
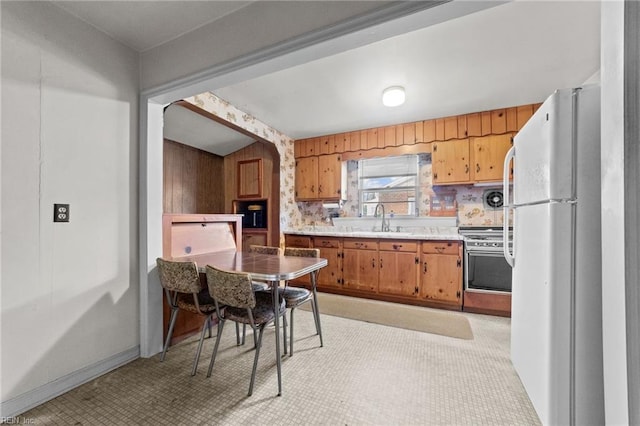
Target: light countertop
{"type": "Point", "coordinates": [427, 234]}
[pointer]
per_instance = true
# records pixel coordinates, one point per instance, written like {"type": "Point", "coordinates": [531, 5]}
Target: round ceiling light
{"type": "Point", "coordinates": [393, 96]}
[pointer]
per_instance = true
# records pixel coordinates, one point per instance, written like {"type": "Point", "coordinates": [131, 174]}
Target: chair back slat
{"type": "Point", "coordinates": [178, 276]}
{"type": "Point", "coordinates": [265, 250]}
{"type": "Point", "coordinates": [231, 288]}
{"type": "Point", "coordinates": [301, 252]}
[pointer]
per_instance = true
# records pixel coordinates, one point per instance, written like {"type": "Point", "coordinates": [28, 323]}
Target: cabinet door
{"type": "Point", "coordinates": [488, 156]}
{"type": "Point", "coordinates": [330, 275]}
{"type": "Point", "coordinates": [398, 273]}
{"type": "Point", "coordinates": [360, 269]}
{"type": "Point", "coordinates": [329, 177]}
{"type": "Point", "coordinates": [249, 239]}
{"type": "Point", "coordinates": [249, 178]}
{"type": "Point", "coordinates": [450, 161]}
{"type": "Point", "coordinates": [307, 178]}
{"type": "Point", "coordinates": [441, 278]}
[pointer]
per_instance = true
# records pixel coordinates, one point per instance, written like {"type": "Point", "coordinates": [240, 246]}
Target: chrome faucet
{"type": "Point", "coordinates": [384, 226]}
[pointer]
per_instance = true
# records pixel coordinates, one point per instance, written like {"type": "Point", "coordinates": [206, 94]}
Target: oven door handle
{"type": "Point", "coordinates": [508, 254]}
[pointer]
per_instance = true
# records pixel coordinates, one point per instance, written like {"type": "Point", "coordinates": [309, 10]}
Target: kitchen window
{"type": "Point", "coordinates": [392, 181]}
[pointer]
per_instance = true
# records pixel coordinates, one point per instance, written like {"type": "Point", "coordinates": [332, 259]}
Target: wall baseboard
{"type": "Point", "coordinates": [21, 403]}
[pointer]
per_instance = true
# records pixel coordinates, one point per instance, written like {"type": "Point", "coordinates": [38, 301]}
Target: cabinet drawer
{"type": "Point", "coordinates": [441, 247]}
{"type": "Point", "coordinates": [410, 246]}
{"type": "Point", "coordinates": [297, 241]}
{"type": "Point", "coordinates": [326, 242]}
{"type": "Point", "coordinates": [361, 244]}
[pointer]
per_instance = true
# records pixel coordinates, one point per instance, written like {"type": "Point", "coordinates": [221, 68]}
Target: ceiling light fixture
{"type": "Point", "coordinates": [393, 96]}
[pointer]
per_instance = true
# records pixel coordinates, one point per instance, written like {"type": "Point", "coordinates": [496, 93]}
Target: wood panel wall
{"type": "Point", "coordinates": [192, 180]}
{"type": "Point", "coordinates": [270, 182]}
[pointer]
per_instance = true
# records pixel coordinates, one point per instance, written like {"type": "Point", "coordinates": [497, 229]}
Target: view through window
{"type": "Point", "coordinates": [391, 181]}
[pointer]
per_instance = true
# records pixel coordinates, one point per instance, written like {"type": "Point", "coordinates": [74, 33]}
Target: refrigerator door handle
{"type": "Point", "coordinates": [508, 255]}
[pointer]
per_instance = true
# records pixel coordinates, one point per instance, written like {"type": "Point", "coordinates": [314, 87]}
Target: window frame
{"type": "Point", "coordinates": [413, 203]}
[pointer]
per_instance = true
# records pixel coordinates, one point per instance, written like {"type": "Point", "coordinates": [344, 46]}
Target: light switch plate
{"type": "Point", "coordinates": [61, 212]}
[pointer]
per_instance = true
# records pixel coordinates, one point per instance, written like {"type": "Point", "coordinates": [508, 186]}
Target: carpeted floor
{"type": "Point", "coordinates": [366, 374]}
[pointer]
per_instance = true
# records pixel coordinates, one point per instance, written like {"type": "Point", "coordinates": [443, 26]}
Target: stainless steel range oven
{"type": "Point", "coordinates": [485, 268]}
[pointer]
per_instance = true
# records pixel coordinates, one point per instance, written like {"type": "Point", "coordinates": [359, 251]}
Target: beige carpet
{"type": "Point", "coordinates": [435, 321]}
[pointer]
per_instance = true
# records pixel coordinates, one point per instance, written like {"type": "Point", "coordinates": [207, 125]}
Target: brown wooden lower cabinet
{"type": "Point", "coordinates": [330, 249]}
{"type": "Point", "coordinates": [398, 268]}
{"type": "Point", "coordinates": [441, 277]}
{"type": "Point", "coordinates": [426, 273]}
{"type": "Point", "coordinates": [256, 238]}
{"type": "Point", "coordinates": [360, 265]}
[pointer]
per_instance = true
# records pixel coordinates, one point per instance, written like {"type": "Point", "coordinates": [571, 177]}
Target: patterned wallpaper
{"type": "Point", "coordinates": [471, 210]}
{"type": "Point", "coordinates": [290, 215]}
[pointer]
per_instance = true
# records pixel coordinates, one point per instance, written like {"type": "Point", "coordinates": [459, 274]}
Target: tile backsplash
{"type": "Point", "coordinates": [471, 209]}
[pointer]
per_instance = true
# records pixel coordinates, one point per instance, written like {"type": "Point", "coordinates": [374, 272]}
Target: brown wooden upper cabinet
{"type": "Point", "coordinates": [307, 178]}
{"type": "Point", "coordinates": [488, 155]}
{"type": "Point", "coordinates": [250, 178]}
{"type": "Point", "coordinates": [450, 161]}
{"type": "Point", "coordinates": [319, 177]}
{"type": "Point", "coordinates": [478, 159]}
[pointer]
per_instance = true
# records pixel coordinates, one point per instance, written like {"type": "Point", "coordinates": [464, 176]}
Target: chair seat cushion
{"type": "Point", "coordinates": [207, 305]}
{"type": "Point", "coordinates": [262, 313]}
{"type": "Point", "coordinates": [293, 296]}
{"type": "Point", "coordinates": [258, 286]}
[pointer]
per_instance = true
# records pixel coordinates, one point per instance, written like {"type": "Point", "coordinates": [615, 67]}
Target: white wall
{"type": "Point", "coordinates": [69, 300]}
{"type": "Point", "coordinates": [619, 212]}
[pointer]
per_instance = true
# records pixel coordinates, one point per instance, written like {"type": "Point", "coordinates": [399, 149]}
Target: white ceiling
{"type": "Point", "coordinates": [142, 25]}
{"type": "Point", "coordinates": [511, 54]}
{"type": "Point", "coordinates": [508, 55]}
{"type": "Point", "coordinates": [184, 126]}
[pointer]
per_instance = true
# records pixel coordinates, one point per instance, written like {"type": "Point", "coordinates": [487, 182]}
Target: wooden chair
{"type": "Point", "coordinates": [183, 291]}
{"type": "Point", "coordinates": [234, 290]}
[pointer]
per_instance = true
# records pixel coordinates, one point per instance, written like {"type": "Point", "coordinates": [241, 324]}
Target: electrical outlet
{"type": "Point", "coordinates": [61, 212]}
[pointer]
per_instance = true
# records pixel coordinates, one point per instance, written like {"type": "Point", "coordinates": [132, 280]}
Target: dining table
{"type": "Point", "coordinates": [268, 268]}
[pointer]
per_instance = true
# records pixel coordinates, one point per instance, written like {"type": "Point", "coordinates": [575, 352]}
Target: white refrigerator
{"type": "Point", "coordinates": [555, 253]}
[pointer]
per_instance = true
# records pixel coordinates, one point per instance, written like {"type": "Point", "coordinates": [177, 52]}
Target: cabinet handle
{"type": "Point", "coordinates": [425, 267]}
{"type": "Point", "coordinates": [397, 246]}
{"type": "Point", "coordinates": [466, 168]}
{"type": "Point", "coordinates": [319, 189]}
{"type": "Point", "coordinates": [380, 263]}
{"type": "Point", "coordinates": [373, 263]}
{"type": "Point", "coordinates": [477, 168]}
